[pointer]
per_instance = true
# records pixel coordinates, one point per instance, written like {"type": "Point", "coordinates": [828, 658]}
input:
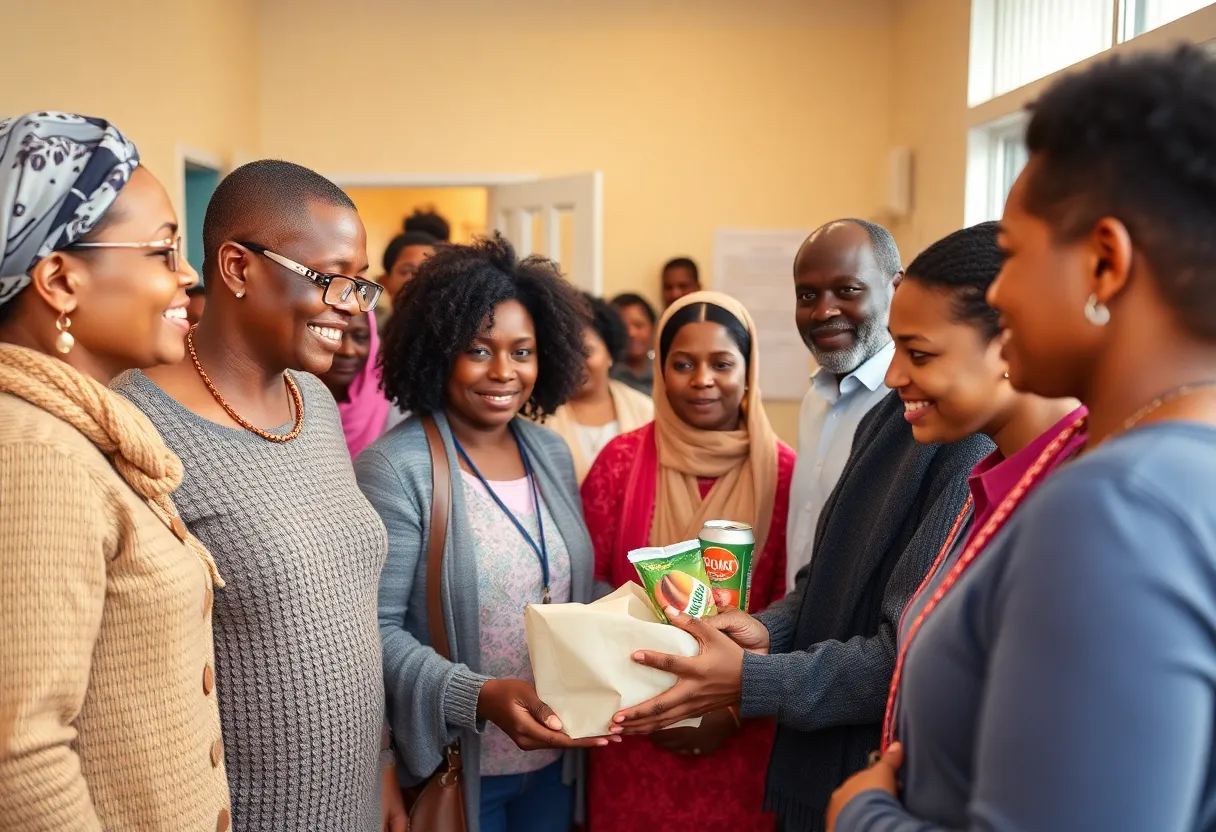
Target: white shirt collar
{"type": "Point", "coordinates": [872, 374]}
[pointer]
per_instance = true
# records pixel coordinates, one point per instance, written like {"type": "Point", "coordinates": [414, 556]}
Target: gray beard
{"type": "Point", "coordinates": [872, 336]}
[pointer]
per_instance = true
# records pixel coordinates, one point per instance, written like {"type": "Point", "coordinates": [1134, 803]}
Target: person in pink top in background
{"type": "Point", "coordinates": [354, 379]}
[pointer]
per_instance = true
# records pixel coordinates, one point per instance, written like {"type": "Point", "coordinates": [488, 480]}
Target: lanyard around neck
{"type": "Point", "coordinates": [1042, 466]}
{"type": "Point", "coordinates": [541, 550]}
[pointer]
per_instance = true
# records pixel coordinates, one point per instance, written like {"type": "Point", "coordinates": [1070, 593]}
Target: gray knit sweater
{"type": "Point", "coordinates": [297, 646]}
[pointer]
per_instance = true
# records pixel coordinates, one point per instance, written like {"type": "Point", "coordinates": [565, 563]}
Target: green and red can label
{"type": "Point", "coordinates": [727, 549]}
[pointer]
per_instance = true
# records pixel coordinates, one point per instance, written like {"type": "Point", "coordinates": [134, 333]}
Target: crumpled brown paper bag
{"type": "Point", "coordinates": [581, 657]}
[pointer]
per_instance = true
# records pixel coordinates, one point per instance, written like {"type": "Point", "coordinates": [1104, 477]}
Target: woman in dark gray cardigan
{"type": "Point", "coordinates": [476, 339]}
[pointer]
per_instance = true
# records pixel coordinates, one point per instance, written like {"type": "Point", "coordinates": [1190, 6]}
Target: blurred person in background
{"type": "Point", "coordinates": [1067, 680]}
{"type": "Point", "coordinates": [680, 277]}
{"type": "Point", "coordinates": [637, 367]}
{"type": "Point", "coordinates": [602, 408]}
{"type": "Point", "coordinates": [484, 343]}
{"type": "Point", "coordinates": [270, 489]}
{"type": "Point", "coordinates": [427, 221]}
{"type": "Point", "coordinates": [710, 454]}
{"type": "Point", "coordinates": [105, 598]}
{"type": "Point", "coordinates": [402, 257]}
{"type": "Point", "coordinates": [354, 380]}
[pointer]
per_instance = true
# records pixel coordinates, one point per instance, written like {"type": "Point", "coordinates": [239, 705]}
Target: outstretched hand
{"type": "Point", "coordinates": [882, 776]}
{"type": "Point", "coordinates": [711, 680]}
{"type": "Point", "coordinates": [512, 705]}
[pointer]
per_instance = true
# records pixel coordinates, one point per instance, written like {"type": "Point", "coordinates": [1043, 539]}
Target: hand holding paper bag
{"type": "Point", "coordinates": [582, 657]}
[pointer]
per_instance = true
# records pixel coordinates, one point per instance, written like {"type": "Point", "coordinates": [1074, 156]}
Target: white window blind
{"type": "Point", "coordinates": [1014, 42]}
{"type": "Point", "coordinates": [1140, 16]}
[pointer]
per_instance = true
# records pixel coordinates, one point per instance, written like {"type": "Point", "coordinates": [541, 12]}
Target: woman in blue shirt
{"type": "Point", "coordinates": [1067, 679]}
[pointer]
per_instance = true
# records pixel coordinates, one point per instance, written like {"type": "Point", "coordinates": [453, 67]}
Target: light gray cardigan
{"type": "Point", "coordinates": [431, 701]}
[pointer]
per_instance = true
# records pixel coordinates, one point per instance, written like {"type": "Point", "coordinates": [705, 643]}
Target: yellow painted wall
{"type": "Point", "coordinates": [717, 114]}
{"type": "Point", "coordinates": [171, 74]}
{"type": "Point", "coordinates": [724, 115]}
{"type": "Point", "coordinates": [384, 209]}
{"type": "Point", "coordinates": [929, 112]}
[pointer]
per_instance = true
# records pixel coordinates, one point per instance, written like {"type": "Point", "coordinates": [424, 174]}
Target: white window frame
{"type": "Point", "coordinates": [991, 123]}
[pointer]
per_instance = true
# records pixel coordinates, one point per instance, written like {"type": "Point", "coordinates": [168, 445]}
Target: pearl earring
{"type": "Point", "coordinates": [1006, 375]}
{"type": "Point", "coordinates": [65, 341]}
{"type": "Point", "coordinates": [240, 294]}
{"type": "Point", "coordinates": [1096, 312]}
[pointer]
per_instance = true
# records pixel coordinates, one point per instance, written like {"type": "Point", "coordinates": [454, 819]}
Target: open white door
{"type": "Point", "coordinates": [561, 218]}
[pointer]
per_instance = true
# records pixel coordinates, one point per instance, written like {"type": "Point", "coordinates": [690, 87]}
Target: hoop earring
{"type": "Point", "coordinates": [1095, 312]}
{"type": "Point", "coordinates": [65, 341]}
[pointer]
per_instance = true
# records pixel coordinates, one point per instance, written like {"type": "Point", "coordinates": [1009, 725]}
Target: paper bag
{"type": "Point", "coordinates": [582, 657]}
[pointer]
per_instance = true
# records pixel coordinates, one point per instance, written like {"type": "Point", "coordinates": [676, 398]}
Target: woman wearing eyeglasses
{"type": "Point", "coordinates": [103, 593]}
{"type": "Point", "coordinates": [270, 489]}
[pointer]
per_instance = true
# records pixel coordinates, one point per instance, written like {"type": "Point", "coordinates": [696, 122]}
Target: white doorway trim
{"type": "Point", "coordinates": [429, 180]}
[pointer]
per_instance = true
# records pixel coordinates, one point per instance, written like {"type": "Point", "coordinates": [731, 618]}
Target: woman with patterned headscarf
{"type": "Point", "coordinates": [108, 716]}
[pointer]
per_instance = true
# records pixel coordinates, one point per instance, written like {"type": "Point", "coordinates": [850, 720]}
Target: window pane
{"type": "Point", "coordinates": [1145, 15]}
{"type": "Point", "coordinates": [1024, 40]}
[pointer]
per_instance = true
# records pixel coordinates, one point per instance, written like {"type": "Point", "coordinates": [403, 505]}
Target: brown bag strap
{"type": "Point", "coordinates": [441, 504]}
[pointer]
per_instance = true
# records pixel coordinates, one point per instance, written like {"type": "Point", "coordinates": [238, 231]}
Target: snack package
{"type": "Point", "coordinates": [675, 576]}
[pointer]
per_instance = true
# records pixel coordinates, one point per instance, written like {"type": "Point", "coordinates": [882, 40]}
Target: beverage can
{"type": "Point", "coordinates": [727, 548]}
{"type": "Point", "coordinates": [675, 576]}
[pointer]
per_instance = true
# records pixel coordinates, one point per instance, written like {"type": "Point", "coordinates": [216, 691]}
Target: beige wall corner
{"type": "Point", "coordinates": [929, 114]}
{"type": "Point", "coordinates": [169, 75]}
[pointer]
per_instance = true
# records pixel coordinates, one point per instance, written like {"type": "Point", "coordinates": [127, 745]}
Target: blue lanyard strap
{"type": "Point", "coordinates": [542, 550]}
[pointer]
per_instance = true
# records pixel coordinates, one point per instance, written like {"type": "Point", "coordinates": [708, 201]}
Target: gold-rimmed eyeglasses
{"type": "Point", "coordinates": [170, 246]}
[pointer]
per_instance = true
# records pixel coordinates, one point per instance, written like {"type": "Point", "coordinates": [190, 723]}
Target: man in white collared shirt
{"type": "Point", "coordinates": [844, 277]}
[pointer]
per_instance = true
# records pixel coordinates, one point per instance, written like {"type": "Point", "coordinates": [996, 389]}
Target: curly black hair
{"type": "Point", "coordinates": [964, 263]}
{"type": "Point", "coordinates": [1135, 138]}
{"type": "Point", "coordinates": [428, 222]}
{"type": "Point", "coordinates": [607, 322]}
{"type": "Point", "coordinates": [439, 313]}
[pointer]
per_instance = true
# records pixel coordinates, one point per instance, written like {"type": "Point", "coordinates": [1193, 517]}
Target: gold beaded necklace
{"type": "Point", "coordinates": [1165, 398]}
{"type": "Point", "coordinates": [236, 417]}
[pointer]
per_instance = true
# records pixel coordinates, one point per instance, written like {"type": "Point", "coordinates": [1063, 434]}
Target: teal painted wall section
{"type": "Point", "coordinates": [200, 184]}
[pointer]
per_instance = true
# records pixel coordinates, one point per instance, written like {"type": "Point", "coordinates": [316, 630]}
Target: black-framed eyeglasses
{"type": "Point", "coordinates": [338, 288]}
{"type": "Point", "coordinates": [172, 247]}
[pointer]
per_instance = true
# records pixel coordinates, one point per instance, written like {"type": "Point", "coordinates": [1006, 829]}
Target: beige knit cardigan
{"type": "Point", "coordinates": [108, 716]}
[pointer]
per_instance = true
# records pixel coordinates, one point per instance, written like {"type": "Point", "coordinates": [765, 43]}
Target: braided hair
{"type": "Point", "coordinates": [964, 264]}
{"type": "Point", "coordinates": [441, 311]}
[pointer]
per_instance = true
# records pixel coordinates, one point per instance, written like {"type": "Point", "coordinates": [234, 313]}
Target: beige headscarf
{"type": "Point", "coordinates": [114, 425]}
{"type": "Point", "coordinates": [632, 411]}
{"type": "Point", "coordinates": [744, 461]}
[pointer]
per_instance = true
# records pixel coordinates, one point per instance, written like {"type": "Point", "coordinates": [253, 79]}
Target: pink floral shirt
{"type": "Point", "coordinates": [509, 578]}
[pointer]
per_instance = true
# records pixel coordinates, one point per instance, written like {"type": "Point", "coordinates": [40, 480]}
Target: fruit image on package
{"type": "Point", "coordinates": [675, 576]}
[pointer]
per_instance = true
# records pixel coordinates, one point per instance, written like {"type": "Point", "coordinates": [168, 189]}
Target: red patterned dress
{"type": "Point", "coordinates": [635, 785]}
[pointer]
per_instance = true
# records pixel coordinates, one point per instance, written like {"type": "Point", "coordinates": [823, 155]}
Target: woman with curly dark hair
{"type": "Point", "coordinates": [602, 408]}
{"type": "Point", "coordinates": [477, 339]}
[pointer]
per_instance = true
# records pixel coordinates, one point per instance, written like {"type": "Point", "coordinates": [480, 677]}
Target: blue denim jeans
{"type": "Point", "coordinates": [533, 802]}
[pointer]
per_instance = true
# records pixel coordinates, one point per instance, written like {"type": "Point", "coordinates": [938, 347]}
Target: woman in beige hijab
{"type": "Point", "coordinates": [710, 453]}
{"type": "Point", "coordinates": [603, 408]}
